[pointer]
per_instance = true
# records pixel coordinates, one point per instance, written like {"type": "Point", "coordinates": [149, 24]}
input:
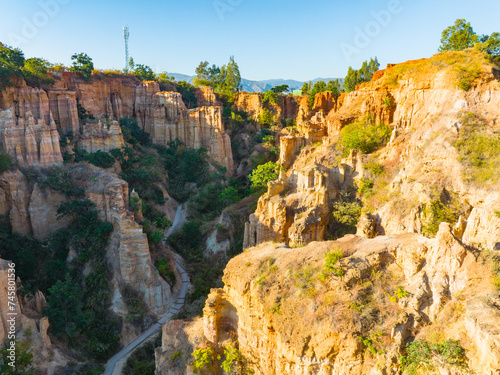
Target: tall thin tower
{"type": "Point", "coordinates": [126, 35]}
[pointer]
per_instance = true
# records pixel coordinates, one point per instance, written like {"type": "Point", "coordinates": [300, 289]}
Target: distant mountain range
{"type": "Point", "coordinates": [258, 86]}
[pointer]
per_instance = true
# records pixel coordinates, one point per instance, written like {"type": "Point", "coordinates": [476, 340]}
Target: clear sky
{"type": "Point", "coordinates": [288, 39]}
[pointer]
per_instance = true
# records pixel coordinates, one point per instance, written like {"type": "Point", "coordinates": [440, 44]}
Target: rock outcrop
{"type": "Point", "coordinates": [25, 324]}
{"type": "Point", "coordinates": [32, 117]}
{"type": "Point", "coordinates": [286, 320]}
{"type": "Point", "coordinates": [165, 117]}
{"type": "Point", "coordinates": [101, 137]}
{"type": "Point", "coordinates": [128, 252]}
{"type": "Point", "coordinates": [296, 208]}
{"type": "Point", "coordinates": [29, 140]}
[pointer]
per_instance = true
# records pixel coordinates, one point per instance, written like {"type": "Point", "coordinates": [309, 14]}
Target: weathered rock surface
{"type": "Point", "coordinates": [296, 208]}
{"type": "Point", "coordinates": [128, 252]}
{"type": "Point", "coordinates": [28, 325]}
{"type": "Point", "coordinates": [29, 124]}
{"type": "Point", "coordinates": [30, 140]}
{"type": "Point", "coordinates": [285, 327]}
{"type": "Point", "coordinates": [101, 137]}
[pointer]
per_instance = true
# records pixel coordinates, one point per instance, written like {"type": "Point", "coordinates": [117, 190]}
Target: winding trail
{"type": "Point", "coordinates": [115, 365]}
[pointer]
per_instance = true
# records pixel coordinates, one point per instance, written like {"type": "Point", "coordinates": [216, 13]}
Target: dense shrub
{"type": "Point", "coordinates": [59, 178]}
{"type": "Point", "coordinates": [188, 92]}
{"type": "Point", "coordinates": [132, 133]}
{"type": "Point", "coordinates": [435, 213]}
{"type": "Point", "coordinates": [142, 360]}
{"type": "Point", "coordinates": [99, 158]}
{"type": "Point", "coordinates": [364, 135]}
{"type": "Point", "coordinates": [479, 151]}
{"type": "Point", "coordinates": [263, 174]}
{"type": "Point", "coordinates": [345, 216]}
{"type": "Point", "coordinates": [23, 360]}
{"type": "Point", "coordinates": [429, 357]}
{"type": "Point", "coordinates": [6, 162]}
{"type": "Point", "coordinates": [165, 270]}
{"type": "Point", "coordinates": [266, 119]}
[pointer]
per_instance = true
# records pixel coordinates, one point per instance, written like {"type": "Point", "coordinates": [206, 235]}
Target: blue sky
{"type": "Point", "coordinates": [288, 39]}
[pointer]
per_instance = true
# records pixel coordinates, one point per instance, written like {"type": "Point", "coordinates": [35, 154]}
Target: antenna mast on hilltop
{"type": "Point", "coordinates": [126, 35]}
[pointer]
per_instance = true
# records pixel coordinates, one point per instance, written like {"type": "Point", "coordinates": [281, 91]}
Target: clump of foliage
{"type": "Point", "coordinates": [331, 266]}
{"type": "Point", "coordinates": [99, 158]}
{"type": "Point", "coordinates": [318, 87]}
{"type": "Point", "coordinates": [233, 360]}
{"type": "Point", "coordinates": [375, 168]}
{"type": "Point", "coordinates": [365, 74]}
{"type": "Point", "coordinates": [461, 36]}
{"type": "Point", "coordinates": [371, 342]}
{"type": "Point", "coordinates": [398, 293]}
{"type": "Point", "coordinates": [144, 72]}
{"type": "Point", "coordinates": [266, 119]}
{"type": "Point", "coordinates": [36, 72]}
{"type": "Point", "coordinates": [6, 162]}
{"type": "Point", "coordinates": [78, 305]}
{"type": "Point", "coordinates": [345, 214]}
{"type": "Point", "coordinates": [364, 135]}
{"type": "Point", "coordinates": [13, 64]}
{"type": "Point", "coordinates": [136, 306]}
{"type": "Point", "coordinates": [23, 360]}
{"type": "Point", "coordinates": [225, 79]}
{"type": "Point", "coordinates": [270, 97]}
{"type": "Point", "coordinates": [467, 74]}
{"type": "Point", "coordinates": [479, 151]}
{"type": "Point", "coordinates": [263, 174]}
{"type": "Point", "coordinates": [422, 355]}
{"type": "Point", "coordinates": [365, 188]}
{"type": "Point", "coordinates": [83, 65]}
{"type": "Point", "coordinates": [59, 178]}
{"type": "Point", "coordinates": [132, 133]}
{"type": "Point", "coordinates": [434, 213]}
{"type": "Point", "coordinates": [187, 91]}
{"type": "Point", "coordinates": [305, 281]}
{"type": "Point", "coordinates": [83, 113]}
{"type": "Point", "coordinates": [165, 270]}
{"type": "Point", "coordinates": [142, 360]}
{"type": "Point", "coordinates": [204, 360]}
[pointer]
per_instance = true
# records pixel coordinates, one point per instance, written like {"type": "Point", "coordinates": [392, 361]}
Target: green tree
{"type": "Point", "coordinates": [11, 63]}
{"type": "Point", "coordinates": [229, 196]}
{"type": "Point", "coordinates": [458, 37]}
{"type": "Point", "coordinates": [5, 162]}
{"type": "Point", "coordinates": [490, 44]}
{"type": "Point", "coordinates": [281, 89]}
{"type": "Point", "coordinates": [188, 93]}
{"type": "Point", "coordinates": [335, 87]}
{"type": "Point", "coordinates": [144, 72]}
{"type": "Point", "coordinates": [64, 306]}
{"type": "Point", "coordinates": [263, 174]}
{"type": "Point", "coordinates": [318, 87]}
{"type": "Point", "coordinates": [82, 64]}
{"type": "Point", "coordinates": [305, 88]}
{"type": "Point", "coordinates": [232, 76]}
{"type": "Point", "coordinates": [365, 74]}
{"type": "Point", "coordinates": [23, 361]}
{"type": "Point", "coordinates": [35, 72]}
